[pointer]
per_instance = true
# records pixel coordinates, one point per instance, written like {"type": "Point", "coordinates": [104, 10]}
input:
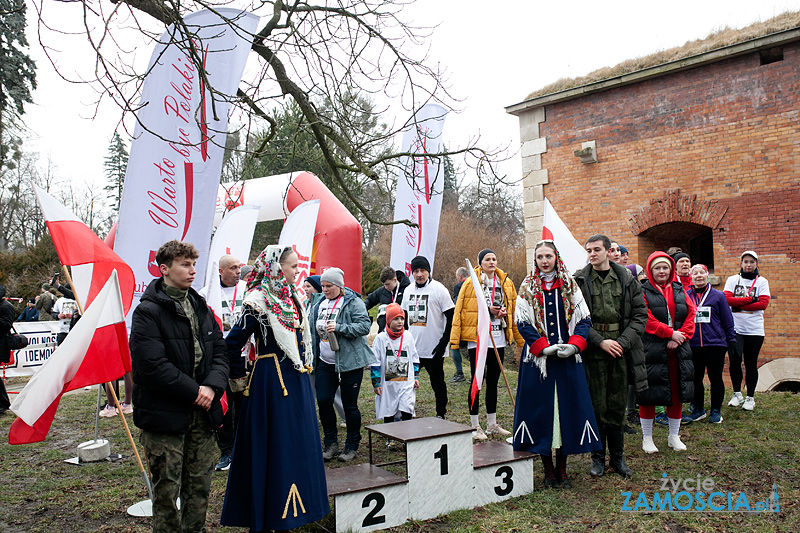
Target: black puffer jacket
{"type": "Point", "coordinates": [658, 390]}
{"type": "Point", "coordinates": [162, 353]}
{"type": "Point", "coordinates": [383, 297]}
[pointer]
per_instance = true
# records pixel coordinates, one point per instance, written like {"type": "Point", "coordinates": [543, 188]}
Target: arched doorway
{"type": "Point", "coordinates": [694, 239]}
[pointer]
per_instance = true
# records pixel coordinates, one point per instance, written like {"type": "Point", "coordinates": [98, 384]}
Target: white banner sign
{"type": "Point", "coordinates": [176, 156]}
{"type": "Point", "coordinates": [298, 232]}
{"type": "Point", "coordinates": [41, 344]}
{"type": "Point", "coordinates": [419, 189]}
{"type": "Point", "coordinates": [234, 236]}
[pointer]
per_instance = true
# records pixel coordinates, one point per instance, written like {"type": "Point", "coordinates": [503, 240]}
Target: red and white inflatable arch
{"type": "Point", "coordinates": [337, 241]}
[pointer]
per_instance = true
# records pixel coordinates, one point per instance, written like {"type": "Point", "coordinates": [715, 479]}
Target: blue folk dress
{"type": "Point", "coordinates": [553, 411]}
{"type": "Point", "coordinates": [277, 477]}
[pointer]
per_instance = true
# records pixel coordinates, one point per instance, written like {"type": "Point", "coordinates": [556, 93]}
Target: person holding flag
{"type": "Point", "coordinates": [501, 297]}
{"type": "Point", "coordinates": [277, 478]}
{"type": "Point", "coordinates": [553, 408]}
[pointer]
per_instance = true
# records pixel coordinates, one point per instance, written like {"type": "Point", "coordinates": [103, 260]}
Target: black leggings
{"type": "Point", "coordinates": [749, 347]}
{"type": "Point", "coordinates": [403, 416]}
{"type": "Point", "coordinates": [713, 358]}
{"type": "Point", "coordinates": [491, 376]}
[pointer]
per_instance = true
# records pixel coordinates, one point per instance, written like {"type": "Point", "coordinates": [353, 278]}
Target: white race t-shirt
{"type": "Point", "coordinates": [67, 306]}
{"type": "Point", "coordinates": [232, 298]}
{"type": "Point", "coordinates": [494, 298]}
{"type": "Point", "coordinates": [748, 322]}
{"type": "Point", "coordinates": [397, 373]}
{"type": "Point", "coordinates": [426, 320]}
{"type": "Point", "coordinates": [328, 310]}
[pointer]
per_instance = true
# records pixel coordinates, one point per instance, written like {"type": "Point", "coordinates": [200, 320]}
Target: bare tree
{"type": "Point", "coordinates": [308, 53]}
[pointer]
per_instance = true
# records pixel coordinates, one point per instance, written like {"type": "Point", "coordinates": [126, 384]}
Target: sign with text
{"type": "Point", "coordinates": [41, 344]}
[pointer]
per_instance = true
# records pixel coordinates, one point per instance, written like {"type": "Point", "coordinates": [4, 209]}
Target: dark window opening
{"type": "Point", "coordinates": [771, 55]}
{"type": "Point", "coordinates": [691, 238]}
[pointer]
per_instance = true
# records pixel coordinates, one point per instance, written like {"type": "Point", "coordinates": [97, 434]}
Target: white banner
{"type": "Point", "coordinates": [298, 232]}
{"type": "Point", "coordinates": [571, 252]}
{"type": "Point", "coordinates": [234, 236]}
{"type": "Point", "coordinates": [419, 189]}
{"type": "Point", "coordinates": [41, 345]}
{"type": "Point", "coordinates": [176, 156]}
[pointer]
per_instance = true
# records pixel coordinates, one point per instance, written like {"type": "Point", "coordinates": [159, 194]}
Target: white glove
{"type": "Point", "coordinates": [550, 350]}
{"type": "Point", "coordinates": [566, 350]}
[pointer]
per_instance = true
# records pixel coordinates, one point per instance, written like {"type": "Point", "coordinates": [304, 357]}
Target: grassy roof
{"type": "Point", "coordinates": [719, 39]}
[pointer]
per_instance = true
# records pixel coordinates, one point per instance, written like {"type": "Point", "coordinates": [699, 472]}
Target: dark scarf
{"type": "Point", "coordinates": [749, 275]}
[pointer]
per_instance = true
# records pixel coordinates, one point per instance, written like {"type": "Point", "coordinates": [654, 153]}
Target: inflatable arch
{"type": "Point", "coordinates": [337, 241]}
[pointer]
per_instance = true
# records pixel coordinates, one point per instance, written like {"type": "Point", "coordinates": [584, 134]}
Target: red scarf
{"type": "Point", "coordinates": [392, 333]}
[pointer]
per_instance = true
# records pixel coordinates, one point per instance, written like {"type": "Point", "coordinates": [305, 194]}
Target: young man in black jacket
{"type": "Point", "coordinates": [180, 370]}
{"type": "Point", "coordinates": [394, 284]}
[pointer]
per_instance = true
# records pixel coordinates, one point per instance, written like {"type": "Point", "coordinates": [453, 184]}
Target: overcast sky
{"type": "Point", "coordinates": [496, 53]}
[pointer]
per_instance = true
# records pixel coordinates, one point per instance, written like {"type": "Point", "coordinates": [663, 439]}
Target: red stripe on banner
{"type": "Point", "coordinates": [547, 234]}
{"type": "Point", "coordinates": [76, 244]}
{"type": "Point", "coordinates": [203, 114]}
{"type": "Point", "coordinates": [419, 221]}
{"type": "Point", "coordinates": [474, 389]}
{"type": "Point", "coordinates": [188, 171]}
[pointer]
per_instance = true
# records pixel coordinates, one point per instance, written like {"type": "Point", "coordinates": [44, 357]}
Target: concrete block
{"type": "Point", "coordinates": [535, 177]}
{"type": "Point", "coordinates": [531, 162]}
{"type": "Point", "coordinates": [93, 450]}
{"type": "Point", "coordinates": [534, 146]}
{"type": "Point", "coordinates": [533, 209]}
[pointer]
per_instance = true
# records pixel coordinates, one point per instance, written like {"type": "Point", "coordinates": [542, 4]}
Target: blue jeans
{"type": "Point", "coordinates": [327, 381]}
{"type": "Point", "coordinates": [456, 355]}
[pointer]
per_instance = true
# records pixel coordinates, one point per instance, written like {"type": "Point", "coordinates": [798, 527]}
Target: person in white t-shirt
{"type": "Point", "coordinates": [430, 317]}
{"type": "Point", "coordinates": [64, 308]}
{"type": "Point", "coordinates": [748, 295]}
{"type": "Point", "coordinates": [395, 372]}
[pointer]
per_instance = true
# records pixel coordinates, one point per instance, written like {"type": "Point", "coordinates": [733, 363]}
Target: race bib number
{"type": "Point", "coordinates": [703, 315]}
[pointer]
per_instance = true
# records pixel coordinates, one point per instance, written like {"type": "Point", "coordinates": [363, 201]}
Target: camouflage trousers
{"type": "Point", "coordinates": [181, 465]}
{"type": "Point", "coordinates": [608, 388]}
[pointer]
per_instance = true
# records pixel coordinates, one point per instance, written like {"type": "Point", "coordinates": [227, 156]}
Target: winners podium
{"type": "Point", "coordinates": [444, 472]}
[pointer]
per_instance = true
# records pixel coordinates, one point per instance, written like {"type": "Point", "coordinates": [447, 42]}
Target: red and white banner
{"type": "Point", "coordinates": [91, 259]}
{"type": "Point", "coordinates": [483, 335]}
{"type": "Point", "coordinates": [420, 186]}
{"type": "Point", "coordinates": [234, 236]}
{"type": "Point", "coordinates": [214, 296]}
{"type": "Point", "coordinates": [298, 232]}
{"type": "Point", "coordinates": [176, 156]}
{"type": "Point", "coordinates": [95, 351]}
{"type": "Point", "coordinates": [571, 251]}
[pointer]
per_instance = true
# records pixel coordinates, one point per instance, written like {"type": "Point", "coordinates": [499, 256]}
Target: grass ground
{"type": "Point", "coordinates": [747, 453]}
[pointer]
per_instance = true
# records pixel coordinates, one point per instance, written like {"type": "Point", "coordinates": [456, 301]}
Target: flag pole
{"type": "Point", "coordinates": [110, 388]}
{"type": "Point", "coordinates": [502, 371]}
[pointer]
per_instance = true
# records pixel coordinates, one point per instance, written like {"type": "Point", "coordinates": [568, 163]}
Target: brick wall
{"type": "Point", "coordinates": [727, 132]}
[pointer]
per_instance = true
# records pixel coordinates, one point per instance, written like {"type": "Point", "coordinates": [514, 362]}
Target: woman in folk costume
{"type": "Point", "coordinates": [553, 409]}
{"type": "Point", "coordinates": [277, 478]}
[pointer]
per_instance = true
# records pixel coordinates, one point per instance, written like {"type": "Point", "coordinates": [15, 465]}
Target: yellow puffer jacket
{"type": "Point", "coordinates": [465, 316]}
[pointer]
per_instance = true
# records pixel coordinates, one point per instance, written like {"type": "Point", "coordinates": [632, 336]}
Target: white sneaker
{"type": "Point", "coordinates": [108, 411]}
{"type": "Point", "coordinates": [749, 404]}
{"type": "Point", "coordinates": [496, 429]}
{"type": "Point", "coordinates": [736, 399]}
{"type": "Point", "coordinates": [478, 434]}
{"type": "Point", "coordinates": [648, 445]}
{"type": "Point", "coordinates": [674, 442]}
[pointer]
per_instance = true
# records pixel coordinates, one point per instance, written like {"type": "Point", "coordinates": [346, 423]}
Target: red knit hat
{"type": "Point", "coordinates": [393, 310]}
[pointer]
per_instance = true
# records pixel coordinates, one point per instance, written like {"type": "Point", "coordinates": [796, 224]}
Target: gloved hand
{"type": "Point", "coordinates": [550, 350]}
{"type": "Point", "coordinates": [733, 350]}
{"type": "Point", "coordinates": [755, 299]}
{"type": "Point", "coordinates": [567, 350]}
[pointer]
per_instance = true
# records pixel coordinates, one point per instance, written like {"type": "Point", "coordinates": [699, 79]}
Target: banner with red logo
{"type": "Point", "coordinates": [298, 232]}
{"type": "Point", "coordinates": [419, 189]}
{"type": "Point", "coordinates": [176, 156]}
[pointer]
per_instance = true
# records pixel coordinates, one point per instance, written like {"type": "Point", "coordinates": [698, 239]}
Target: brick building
{"type": "Point", "coordinates": [701, 152]}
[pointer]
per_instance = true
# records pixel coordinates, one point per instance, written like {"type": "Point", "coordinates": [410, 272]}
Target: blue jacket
{"type": "Point", "coordinates": [718, 332]}
{"type": "Point", "coordinates": [352, 327]}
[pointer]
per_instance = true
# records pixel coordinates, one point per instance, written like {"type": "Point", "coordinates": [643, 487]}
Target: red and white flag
{"type": "Point", "coordinates": [91, 259]}
{"type": "Point", "coordinates": [571, 251]}
{"type": "Point", "coordinates": [214, 296]}
{"type": "Point", "coordinates": [95, 351]}
{"type": "Point", "coordinates": [482, 335]}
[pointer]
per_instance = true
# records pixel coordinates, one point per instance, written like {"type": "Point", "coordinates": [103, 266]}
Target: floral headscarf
{"type": "Point", "coordinates": [267, 275]}
{"type": "Point", "coordinates": [532, 291]}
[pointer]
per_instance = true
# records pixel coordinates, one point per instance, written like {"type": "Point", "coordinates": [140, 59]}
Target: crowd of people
{"type": "Point", "coordinates": [610, 339]}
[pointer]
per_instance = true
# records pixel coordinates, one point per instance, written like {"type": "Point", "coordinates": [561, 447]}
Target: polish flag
{"type": "Point", "coordinates": [483, 334]}
{"type": "Point", "coordinates": [91, 259]}
{"type": "Point", "coordinates": [571, 251]}
{"type": "Point", "coordinates": [95, 351]}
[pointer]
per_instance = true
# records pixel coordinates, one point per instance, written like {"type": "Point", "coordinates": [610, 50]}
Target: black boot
{"type": "Point", "coordinates": [561, 470]}
{"type": "Point", "coordinates": [616, 451]}
{"type": "Point", "coordinates": [599, 457]}
{"type": "Point", "coordinates": [550, 480]}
